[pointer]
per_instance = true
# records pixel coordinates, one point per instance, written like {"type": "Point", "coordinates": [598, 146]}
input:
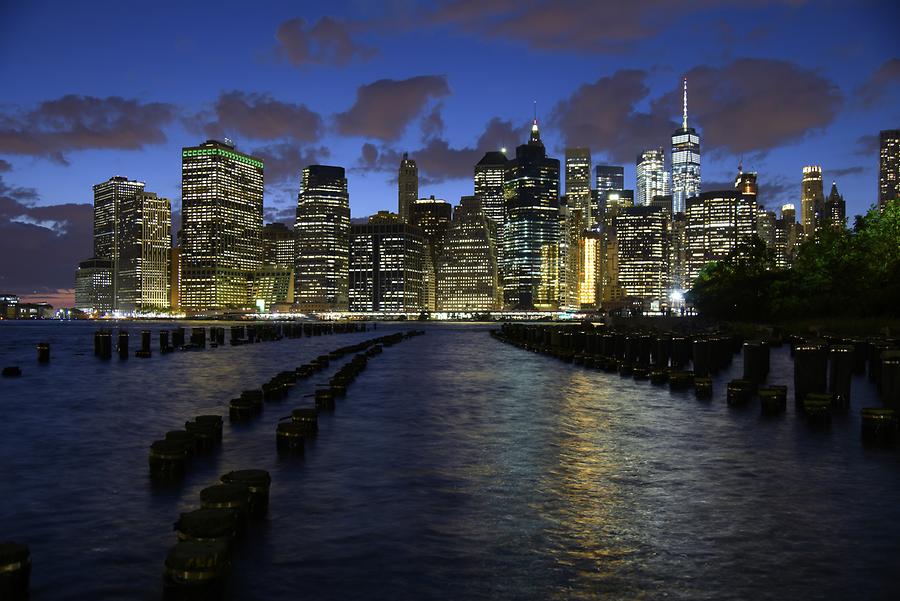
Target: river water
{"type": "Point", "coordinates": [457, 467]}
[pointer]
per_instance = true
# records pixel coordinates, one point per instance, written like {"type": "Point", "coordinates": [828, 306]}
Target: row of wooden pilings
{"type": "Point", "coordinates": [196, 338]}
{"type": "Point", "coordinates": [823, 368]}
{"type": "Point", "coordinates": [198, 565]}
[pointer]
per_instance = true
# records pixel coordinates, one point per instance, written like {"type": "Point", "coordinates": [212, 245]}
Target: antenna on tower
{"type": "Point", "coordinates": [684, 115]}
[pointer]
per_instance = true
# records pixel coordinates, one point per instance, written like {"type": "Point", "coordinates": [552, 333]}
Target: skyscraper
{"type": "Point", "coordinates": [812, 200]}
{"type": "Point", "coordinates": [278, 245]}
{"type": "Point", "coordinates": [571, 260]}
{"type": "Point", "coordinates": [578, 180]}
{"type": "Point", "coordinates": [685, 161]}
{"type": "Point", "coordinates": [407, 186]}
{"type": "Point", "coordinates": [717, 222]}
{"type": "Point", "coordinates": [221, 216]}
{"type": "Point", "coordinates": [93, 286]}
{"type": "Point", "coordinates": [835, 208]}
{"type": "Point", "coordinates": [322, 231]}
{"type": "Point", "coordinates": [386, 262]}
{"type": "Point", "coordinates": [432, 216]}
{"type": "Point", "coordinates": [642, 237]}
{"type": "Point", "coordinates": [488, 181]}
{"type": "Point", "coordinates": [610, 177]}
{"type": "Point", "coordinates": [531, 187]}
{"type": "Point", "coordinates": [889, 166]}
{"type": "Point", "coordinates": [143, 240]}
{"type": "Point", "coordinates": [108, 199]}
{"type": "Point", "coordinates": [468, 279]}
{"type": "Point", "coordinates": [652, 177]}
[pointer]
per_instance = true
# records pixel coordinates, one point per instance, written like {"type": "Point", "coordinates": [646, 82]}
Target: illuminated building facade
{"type": "Point", "coordinates": [468, 278]}
{"type": "Point", "coordinates": [387, 258]}
{"type": "Point", "coordinates": [835, 208]}
{"type": "Point", "coordinates": [685, 161]}
{"type": "Point", "coordinates": [407, 186]}
{"type": "Point", "coordinates": [571, 260]}
{"type": "Point", "coordinates": [531, 239]}
{"type": "Point", "coordinates": [279, 245]}
{"type": "Point", "coordinates": [642, 238]}
{"type": "Point", "coordinates": [432, 216]}
{"type": "Point", "coordinates": [610, 177]}
{"type": "Point", "coordinates": [108, 199]}
{"type": "Point", "coordinates": [144, 241]}
{"type": "Point", "coordinates": [578, 180]}
{"type": "Point", "coordinates": [590, 267]}
{"type": "Point", "coordinates": [812, 200]}
{"type": "Point", "coordinates": [269, 285]}
{"type": "Point", "coordinates": [175, 278]}
{"type": "Point", "coordinates": [93, 286]}
{"type": "Point", "coordinates": [322, 232]}
{"type": "Point", "coordinates": [787, 234]}
{"type": "Point", "coordinates": [717, 222]}
{"type": "Point", "coordinates": [221, 216]}
{"type": "Point", "coordinates": [889, 166]}
{"type": "Point", "coordinates": [652, 177]}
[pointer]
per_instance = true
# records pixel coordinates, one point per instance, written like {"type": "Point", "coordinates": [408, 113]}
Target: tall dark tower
{"type": "Point", "coordinates": [835, 208]}
{"type": "Point", "coordinates": [407, 186]}
{"type": "Point", "coordinates": [531, 240]}
{"type": "Point", "coordinates": [322, 233]}
{"type": "Point", "coordinates": [889, 166]}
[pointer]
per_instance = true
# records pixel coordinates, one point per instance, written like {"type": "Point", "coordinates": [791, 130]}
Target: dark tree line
{"type": "Point", "coordinates": [838, 273]}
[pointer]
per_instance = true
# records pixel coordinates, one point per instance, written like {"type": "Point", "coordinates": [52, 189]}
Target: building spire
{"type": "Point", "coordinates": [535, 133]}
{"type": "Point", "coordinates": [684, 114]}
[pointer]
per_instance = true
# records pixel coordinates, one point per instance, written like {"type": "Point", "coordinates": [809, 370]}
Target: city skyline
{"type": "Point", "coordinates": [444, 117]}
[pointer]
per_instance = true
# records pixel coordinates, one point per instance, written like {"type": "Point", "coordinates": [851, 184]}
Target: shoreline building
{"type": "Point", "coordinates": [642, 241]}
{"type": "Point", "coordinates": [488, 186]}
{"type": "Point", "coordinates": [812, 200]}
{"type": "Point", "coordinates": [432, 216]}
{"type": "Point", "coordinates": [108, 199]}
{"type": "Point", "coordinates": [279, 245]}
{"type": "Point", "coordinates": [93, 286]}
{"type": "Point", "coordinates": [685, 161]}
{"type": "Point", "coordinates": [468, 279]}
{"type": "Point", "coordinates": [888, 166]}
{"type": "Point", "coordinates": [322, 232]}
{"type": "Point", "coordinates": [144, 242]}
{"type": "Point", "coordinates": [716, 222]}
{"type": "Point", "coordinates": [386, 262]}
{"type": "Point", "coordinates": [652, 177]}
{"type": "Point", "coordinates": [531, 239]}
{"type": "Point", "coordinates": [610, 179]}
{"type": "Point", "coordinates": [407, 186]}
{"type": "Point", "coordinates": [221, 216]}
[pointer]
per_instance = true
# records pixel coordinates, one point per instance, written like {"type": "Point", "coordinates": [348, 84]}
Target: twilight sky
{"type": "Point", "coordinates": [95, 89]}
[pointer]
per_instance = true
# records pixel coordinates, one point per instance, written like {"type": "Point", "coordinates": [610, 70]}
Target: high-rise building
{"type": "Point", "coordinates": [571, 261]}
{"type": "Point", "coordinates": [279, 245]}
{"type": "Point", "coordinates": [745, 182]}
{"type": "Point", "coordinates": [175, 278]}
{"type": "Point", "coordinates": [685, 160]}
{"type": "Point", "coordinates": [835, 208]}
{"type": "Point", "coordinates": [652, 177]}
{"type": "Point", "coordinates": [578, 180]}
{"type": "Point", "coordinates": [322, 232]}
{"type": "Point", "coordinates": [386, 263]}
{"type": "Point", "coordinates": [642, 238]}
{"type": "Point", "coordinates": [889, 166]}
{"type": "Point", "coordinates": [144, 241]}
{"type": "Point", "coordinates": [765, 226]}
{"type": "Point", "coordinates": [812, 200]}
{"type": "Point", "coordinates": [531, 184]}
{"type": "Point", "coordinates": [678, 253]}
{"type": "Point", "coordinates": [108, 199]}
{"type": "Point", "coordinates": [717, 222]}
{"type": "Point", "coordinates": [432, 216]}
{"type": "Point", "coordinates": [488, 179]}
{"type": "Point", "coordinates": [93, 286]}
{"type": "Point", "coordinates": [787, 233]}
{"type": "Point", "coordinates": [610, 177]}
{"type": "Point", "coordinates": [221, 217]}
{"type": "Point", "coordinates": [407, 186]}
{"type": "Point", "coordinates": [468, 278]}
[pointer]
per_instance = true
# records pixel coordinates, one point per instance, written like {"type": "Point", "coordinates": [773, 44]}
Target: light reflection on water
{"type": "Point", "coordinates": [457, 467]}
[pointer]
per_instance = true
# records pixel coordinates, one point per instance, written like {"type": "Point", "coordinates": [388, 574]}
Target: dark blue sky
{"type": "Point", "coordinates": [95, 89]}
